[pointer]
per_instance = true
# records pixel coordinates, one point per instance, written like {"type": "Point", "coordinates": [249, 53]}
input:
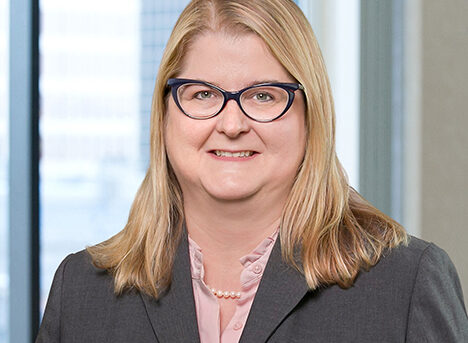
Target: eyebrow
{"type": "Point", "coordinates": [257, 82]}
{"type": "Point", "coordinates": [253, 83]}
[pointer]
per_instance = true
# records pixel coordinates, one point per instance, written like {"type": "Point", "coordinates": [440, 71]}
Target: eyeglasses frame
{"type": "Point", "coordinates": [290, 88]}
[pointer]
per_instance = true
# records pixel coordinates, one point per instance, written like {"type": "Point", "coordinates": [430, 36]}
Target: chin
{"type": "Point", "coordinates": [231, 192]}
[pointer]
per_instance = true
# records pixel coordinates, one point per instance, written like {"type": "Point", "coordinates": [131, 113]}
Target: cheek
{"type": "Point", "coordinates": [180, 132]}
{"type": "Point", "coordinates": [174, 137]}
{"type": "Point", "coordinates": [289, 144]}
{"type": "Point", "coordinates": [179, 137]}
{"type": "Point", "coordinates": [292, 139]}
{"type": "Point", "coordinates": [178, 148]}
{"type": "Point", "coordinates": [184, 138]}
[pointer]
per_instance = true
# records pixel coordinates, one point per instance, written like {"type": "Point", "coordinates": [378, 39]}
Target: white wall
{"type": "Point", "coordinates": [436, 204]}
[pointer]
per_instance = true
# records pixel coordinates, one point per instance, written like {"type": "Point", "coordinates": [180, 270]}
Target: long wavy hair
{"type": "Point", "coordinates": [326, 223]}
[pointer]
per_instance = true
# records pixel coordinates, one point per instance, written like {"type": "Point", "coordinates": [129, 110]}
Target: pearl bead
{"type": "Point", "coordinates": [224, 294]}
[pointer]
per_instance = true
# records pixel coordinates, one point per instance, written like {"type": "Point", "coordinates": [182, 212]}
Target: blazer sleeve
{"type": "Point", "coordinates": [437, 312]}
{"type": "Point", "coordinates": [49, 331]}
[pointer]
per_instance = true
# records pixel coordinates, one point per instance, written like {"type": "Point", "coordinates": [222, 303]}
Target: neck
{"type": "Point", "coordinates": [229, 230]}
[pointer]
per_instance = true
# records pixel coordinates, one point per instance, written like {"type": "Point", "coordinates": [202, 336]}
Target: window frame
{"type": "Point", "coordinates": [23, 201]}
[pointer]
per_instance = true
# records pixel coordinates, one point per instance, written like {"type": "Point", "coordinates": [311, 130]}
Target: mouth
{"type": "Point", "coordinates": [233, 154]}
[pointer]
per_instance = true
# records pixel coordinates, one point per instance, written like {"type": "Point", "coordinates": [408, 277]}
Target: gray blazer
{"type": "Point", "coordinates": [412, 295]}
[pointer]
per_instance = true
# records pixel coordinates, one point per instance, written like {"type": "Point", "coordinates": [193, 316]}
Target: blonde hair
{"type": "Point", "coordinates": [335, 230]}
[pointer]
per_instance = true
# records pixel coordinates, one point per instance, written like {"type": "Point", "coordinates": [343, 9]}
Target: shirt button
{"type": "Point", "coordinates": [257, 269]}
{"type": "Point", "coordinates": [237, 326]}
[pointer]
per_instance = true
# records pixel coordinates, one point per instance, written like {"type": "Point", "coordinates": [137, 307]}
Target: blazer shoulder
{"type": "Point", "coordinates": [430, 255]}
{"type": "Point", "coordinates": [79, 262]}
{"type": "Point", "coordinates": [437, 312]}
{"type": "Point", "coordinates": [400, 268]}
{"type": "Point", "coordinates": [75, 280]}
{"type": "Point", "coordinates": [415, 246]}
{"type": "Point", "coordinates": [410, 254]}
{"type": "Point", "coordinates": [78, 274]}
{"type": "Point", "coordinates": [84, 306]}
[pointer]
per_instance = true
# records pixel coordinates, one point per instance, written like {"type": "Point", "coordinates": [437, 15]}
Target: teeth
{"type": "Point", "coordinates": [221, 153]}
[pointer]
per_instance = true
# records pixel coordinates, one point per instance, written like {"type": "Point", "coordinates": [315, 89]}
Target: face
{"type": "Point", "coordinates": [193, 146]}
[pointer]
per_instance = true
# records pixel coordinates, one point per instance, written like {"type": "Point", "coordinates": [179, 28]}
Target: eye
{"type": "Point", "coordinates": [196, 91]}
{"type": "Point", "coordinates": [262, 97]}
{"type": "Point", "coordinates": [202, 95]}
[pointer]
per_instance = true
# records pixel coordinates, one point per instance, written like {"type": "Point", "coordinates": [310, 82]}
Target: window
{"type": "Point", "coordinates": [4, 12]}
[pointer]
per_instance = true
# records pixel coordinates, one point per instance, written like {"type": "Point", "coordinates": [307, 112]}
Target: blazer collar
{"type": "Point", "coordinates": [173, 315]}
{"type": "Point", "coordinates": [282, 287]}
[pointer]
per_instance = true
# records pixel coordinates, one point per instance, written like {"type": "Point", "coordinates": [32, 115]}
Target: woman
{"type": "Point", "coordinates": [245, 227]}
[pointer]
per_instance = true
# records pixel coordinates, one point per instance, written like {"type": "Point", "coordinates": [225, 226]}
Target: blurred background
{"type": "Point", "coordinates": [76, 81]}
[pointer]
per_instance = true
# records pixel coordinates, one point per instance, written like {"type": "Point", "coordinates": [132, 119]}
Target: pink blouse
{"type": "Point", "coordinates": [206, 303]}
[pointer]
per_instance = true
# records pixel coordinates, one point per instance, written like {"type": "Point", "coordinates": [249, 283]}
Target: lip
{"type": "Point", "coordinates": [232, 158]}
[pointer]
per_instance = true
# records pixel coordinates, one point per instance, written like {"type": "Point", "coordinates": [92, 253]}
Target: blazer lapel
{"type": "Point", "coordinates": [173, 315]}
{"type": "Point", "coordinates": [280, 290]}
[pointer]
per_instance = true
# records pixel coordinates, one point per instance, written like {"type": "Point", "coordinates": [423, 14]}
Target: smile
{"type": "Point", "coordinates": [221, 153]}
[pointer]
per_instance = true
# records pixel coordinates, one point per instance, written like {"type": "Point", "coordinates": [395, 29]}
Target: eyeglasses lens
{"type": "Point", "coordinates": [264, 103]}
{"type": "Point", "coordinates": [199, 100]}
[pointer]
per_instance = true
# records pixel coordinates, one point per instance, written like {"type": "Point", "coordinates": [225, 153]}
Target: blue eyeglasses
{"type": "Point", "coordinates": [263, 102]}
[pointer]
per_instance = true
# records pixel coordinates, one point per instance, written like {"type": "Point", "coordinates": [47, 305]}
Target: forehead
{"type": "Point", "coordinates": [231, 60]}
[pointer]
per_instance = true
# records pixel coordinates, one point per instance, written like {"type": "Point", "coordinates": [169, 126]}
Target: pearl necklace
{"type": "Point", "coordinates": [225, 294]}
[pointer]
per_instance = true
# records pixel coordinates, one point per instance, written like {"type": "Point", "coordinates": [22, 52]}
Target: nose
{"type": "Point", "coordinates": [232, 121]}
